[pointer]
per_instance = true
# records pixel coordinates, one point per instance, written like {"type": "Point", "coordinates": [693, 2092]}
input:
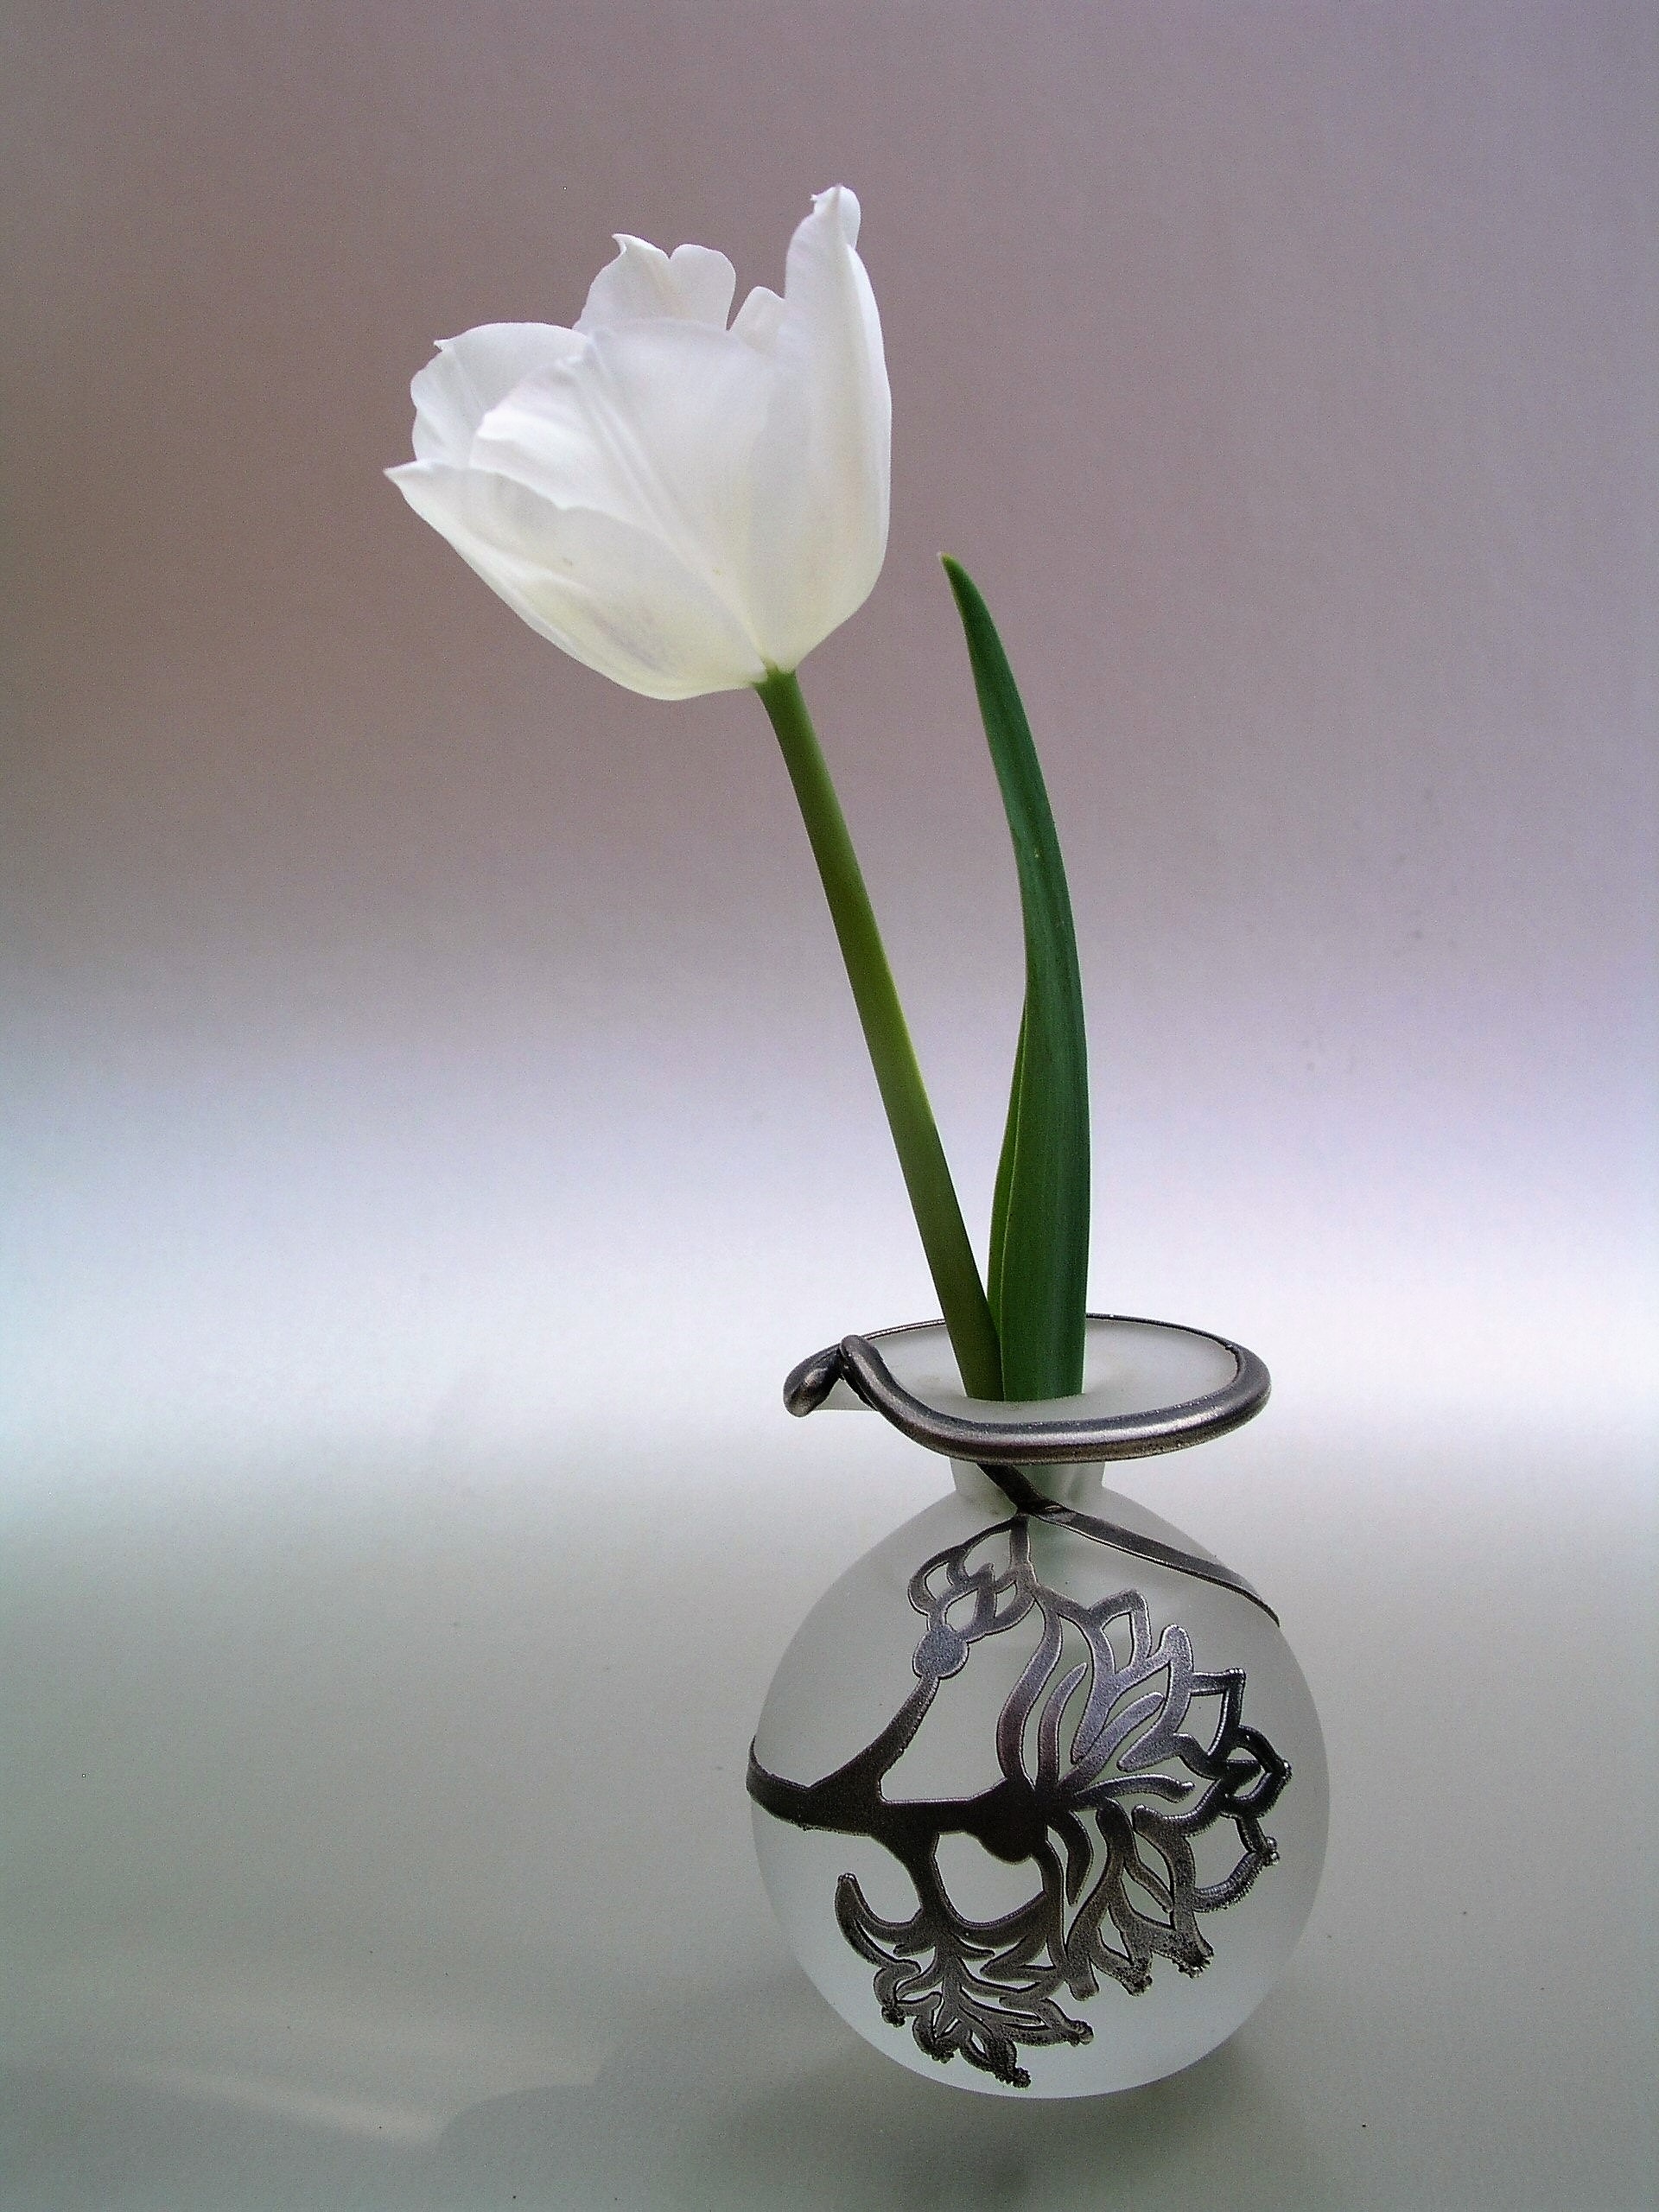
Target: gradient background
{"type": "Point", "coordinates": [436, 1117]}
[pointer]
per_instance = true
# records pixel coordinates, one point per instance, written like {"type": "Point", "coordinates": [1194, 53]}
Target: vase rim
{"type": "Point", "coordinates": [859, 1370]}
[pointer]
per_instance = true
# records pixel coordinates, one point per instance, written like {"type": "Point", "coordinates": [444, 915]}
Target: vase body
{"type": "Point", "coordinates": [1040, 1814]}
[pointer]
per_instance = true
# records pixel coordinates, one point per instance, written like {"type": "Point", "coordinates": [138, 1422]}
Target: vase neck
{"type": "Point", "coordinates": [1064, 1482]}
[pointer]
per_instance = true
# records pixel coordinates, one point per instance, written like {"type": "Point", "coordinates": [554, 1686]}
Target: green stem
{"type": "Point", "coordinates": [921, 1156]}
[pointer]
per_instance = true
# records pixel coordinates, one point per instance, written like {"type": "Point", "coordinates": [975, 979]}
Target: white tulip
{"type": "Point", "coordinates": [684, 506]}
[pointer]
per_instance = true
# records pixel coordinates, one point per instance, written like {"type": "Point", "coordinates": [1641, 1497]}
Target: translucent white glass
{"type": "Point", "coordinates": [1082, 1956]}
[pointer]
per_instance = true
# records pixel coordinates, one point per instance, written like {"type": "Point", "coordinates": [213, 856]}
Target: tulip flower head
{"type": "Point", "coordinates": [683, 506]}
{"type": "Point", "coordinates": [689, 505]}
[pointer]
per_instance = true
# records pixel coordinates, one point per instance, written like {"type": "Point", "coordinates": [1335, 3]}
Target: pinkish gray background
{"type": "Point", "coordinates": [437, 1119]}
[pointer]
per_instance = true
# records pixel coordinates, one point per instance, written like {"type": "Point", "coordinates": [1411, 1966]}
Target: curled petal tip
{"type": "Point", "coordinates": [842, 203]}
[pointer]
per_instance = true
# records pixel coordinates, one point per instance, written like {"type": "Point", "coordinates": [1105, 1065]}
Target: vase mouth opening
{"type": "Point", "coordinates": [1148, 1387]}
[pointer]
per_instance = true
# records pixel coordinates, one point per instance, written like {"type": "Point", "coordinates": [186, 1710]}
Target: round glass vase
{"type": "Point", "coordinates": [1039, 1791]}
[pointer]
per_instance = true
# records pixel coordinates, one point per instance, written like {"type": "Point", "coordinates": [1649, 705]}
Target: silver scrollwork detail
{"type": "Point", "coordinates": [1116, 1755]}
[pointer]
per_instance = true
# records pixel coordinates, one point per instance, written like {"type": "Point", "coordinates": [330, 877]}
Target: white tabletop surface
{"type": "Point", "coordinates": [377, 1837]}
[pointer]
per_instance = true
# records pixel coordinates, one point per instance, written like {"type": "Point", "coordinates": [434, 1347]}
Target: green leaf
{"type": "Point", "coordinates": [1039, 1227]}
{"type": "Point", "coordinates": [893, 1056]}
{"type": "Point", "coordinates": [1004, 1178]}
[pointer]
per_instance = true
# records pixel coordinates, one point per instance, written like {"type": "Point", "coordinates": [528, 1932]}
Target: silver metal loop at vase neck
{"type": "Point", "coordinates": [858, 1363]}
{"type": "Point", "coordinates": [1002, 1449]}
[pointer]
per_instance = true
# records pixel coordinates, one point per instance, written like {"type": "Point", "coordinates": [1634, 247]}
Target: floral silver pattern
{"type": "Point", "coordinates": [1116, 1755]}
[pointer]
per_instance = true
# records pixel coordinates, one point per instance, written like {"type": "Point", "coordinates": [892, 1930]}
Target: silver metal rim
{"type": "Point", "coordinates": [857, 1361]}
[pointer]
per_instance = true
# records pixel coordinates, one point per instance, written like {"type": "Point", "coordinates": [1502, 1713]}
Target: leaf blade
{"type": "Point", "coordinates": [1004, 1181]}
{"type": "Point", "coordinates": [1040, 1218]}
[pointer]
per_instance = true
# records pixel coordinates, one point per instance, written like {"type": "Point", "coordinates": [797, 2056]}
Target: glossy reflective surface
{"type": "Point", "coordinates": [376, 1834]}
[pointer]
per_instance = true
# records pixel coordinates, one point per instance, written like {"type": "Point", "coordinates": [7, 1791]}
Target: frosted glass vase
{"type": "Point", "coordinates": [1039, 1791]}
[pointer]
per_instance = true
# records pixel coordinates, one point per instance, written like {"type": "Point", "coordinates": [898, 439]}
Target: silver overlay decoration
{"type": "Point", "coordinates": [1117, 1756]}
{"type": "Point", "coordinates": [857, 1361]}
{"type": "Point", "coordinates": [997, 1447]}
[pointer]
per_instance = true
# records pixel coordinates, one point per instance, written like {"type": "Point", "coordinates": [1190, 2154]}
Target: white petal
{"type": "Point", "coordinates": [692, 284]}
{"type": "Point", "coordinates": [611, 596]}
{"type": "Point", "coordinates": [758, 320]}
{"type": "Point", "coordinates": [679, 505]}
{"type": "Point", "coordinates": [822, 467]}
{"type": "Point", "coordinates": [455, 391]}
{"type": "Point", "coordinates": [655, 425]}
